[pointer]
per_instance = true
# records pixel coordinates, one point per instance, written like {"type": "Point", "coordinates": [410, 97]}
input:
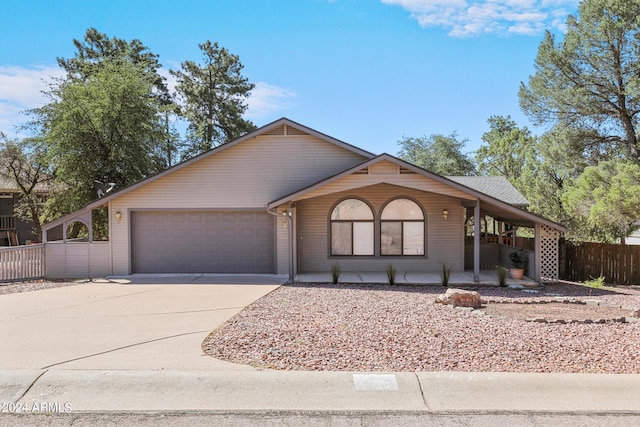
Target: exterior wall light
{"type": "Point", "coordinates": [118, 216]}
{"type": "Point", "coordinates": [445, 214]}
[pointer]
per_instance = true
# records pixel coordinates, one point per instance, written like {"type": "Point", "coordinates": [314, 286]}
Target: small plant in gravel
{"type": "Point", "coordinates": [446, 275]}
{"type": "Point", "coordinates": [595, 283]}
{"type": "Point", "coordinates": [336, 272]}
{"type": "Point", "coordinates": [391, 273]}
{"type": "Point", "coordinates": [502, 276]}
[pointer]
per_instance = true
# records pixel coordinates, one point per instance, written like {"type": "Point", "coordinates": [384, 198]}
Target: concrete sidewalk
{"type": "Point", "coordinates": [71, 391]}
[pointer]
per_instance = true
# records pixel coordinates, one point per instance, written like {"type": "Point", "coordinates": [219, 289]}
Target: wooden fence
{"type": "Point", "coordinates": [21, 263]}
{"type": "Point", "coordinates": [619, 264]}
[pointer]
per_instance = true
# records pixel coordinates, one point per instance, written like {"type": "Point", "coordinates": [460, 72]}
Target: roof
{"type": "Point", "coordinates": [496, 207]}
{"type": "Point", "coordinates": [260, 131]}
{"type": "Point", "coordinates": [494, 186]}
{"type": "Point", "coordinates": [8, 185]}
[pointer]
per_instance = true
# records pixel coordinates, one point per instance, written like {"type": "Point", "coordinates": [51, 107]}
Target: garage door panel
{"type": "Point", "coordinates": [207, 242]}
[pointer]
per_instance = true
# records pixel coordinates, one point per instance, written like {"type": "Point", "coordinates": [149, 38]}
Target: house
{"type": "Point", "coordinates": [14, 231]}
{"type": "Point", "coordinates": [287, 199]}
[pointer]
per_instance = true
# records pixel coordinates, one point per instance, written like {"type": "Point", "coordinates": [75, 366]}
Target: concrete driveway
{"type": "Point", "coordinates": [137, 322]}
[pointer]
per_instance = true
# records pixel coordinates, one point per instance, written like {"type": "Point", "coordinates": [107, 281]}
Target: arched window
{"type": "Point", "coordinates": [402, 228]}
{"type": "Point", "coordinates": [352, 228]}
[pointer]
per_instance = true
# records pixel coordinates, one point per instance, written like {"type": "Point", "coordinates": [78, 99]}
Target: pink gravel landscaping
{"type": "Point", "coordinates": [400, 328]}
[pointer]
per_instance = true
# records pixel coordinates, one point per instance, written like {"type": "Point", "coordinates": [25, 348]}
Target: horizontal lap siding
{"type": "Point", "coordinates": [245, 176]}
{"type": "Point", "coordinates": [402, 180]}
{"type": "Point", "coordinates": [444, 238]}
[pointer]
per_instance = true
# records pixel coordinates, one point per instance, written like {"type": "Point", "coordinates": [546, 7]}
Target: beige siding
{"type": "Point", "coordinates": [77, 260]}
{"type": "Point", "coordinates": [245, 176]}
{"type": "Point", "coordinates": [351, 182]}
{"type": "Point", "coordinates": [444, 238]}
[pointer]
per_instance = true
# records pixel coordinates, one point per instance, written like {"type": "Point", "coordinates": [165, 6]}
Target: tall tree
{"type": "Point", "coordinates": [591, 80]}
{"type": "Point", "coordinates": [24, 163]}
{"type": "Point", "coordinates": [104, 127]}
{"type": "Point", "coordinates": [437, 153]}
{"type": "Point", "coordinates": [506, 150]}
{"type": "Point", "coordinates": [606, 198]}
{"type": "Point", "coordinates": [213, 96]}
{"type": "Point", "coordinates": [97, 47]}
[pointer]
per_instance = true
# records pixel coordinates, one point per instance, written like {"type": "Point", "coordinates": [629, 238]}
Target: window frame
{"type": "Point", "coordinates": [351, 222]}
{"type": "Point", "coordinates": [402, 223]}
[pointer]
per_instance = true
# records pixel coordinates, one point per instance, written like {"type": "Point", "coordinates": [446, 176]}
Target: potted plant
{"type": "Point", "coordinates": [517, 264]}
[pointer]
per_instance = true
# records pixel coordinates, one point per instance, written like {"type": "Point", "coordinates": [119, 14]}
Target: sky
{"type": "Point", "coordinates": [367, 72]}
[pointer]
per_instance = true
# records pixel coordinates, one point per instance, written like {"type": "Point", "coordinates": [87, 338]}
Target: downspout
{"type": "Point", "coordinates": [289, 218]}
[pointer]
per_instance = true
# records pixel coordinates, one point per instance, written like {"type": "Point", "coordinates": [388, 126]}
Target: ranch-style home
{"type": "Point", "coordinates": [287, 199]}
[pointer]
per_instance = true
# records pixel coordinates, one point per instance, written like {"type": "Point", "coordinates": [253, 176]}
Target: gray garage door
{"type": "Point", "coordinates": [202, 242]}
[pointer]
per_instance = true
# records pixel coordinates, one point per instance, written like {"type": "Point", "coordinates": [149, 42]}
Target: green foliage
{"type": "Point", "coordinates": [606, 198]}
{"type": "Point", "coordinates": [595, 283]}
{"type": "Point", "coordinates": [103, 127]}
{"type": "Point", "coordinates": [24, 163]}
{"type": "Point", "coordinates": [508, 149]}
{"type": "Point", "coordinates": [445, 275]}
{"type": "Point", "coordinates": [96, 48]}
{"type": "Point", "coordinates": [502, 276]}
{"type": "Point", "coordinates": [590, 81]}
{"type": "Point", "coordinates": [336, 272]}
{"type": "Point", "coordinates": [391, 273]}
{"type": "Point", "coordinates": [518, 258]}
{"type": "Point", "coordinates": [213, 95]}
{"type": "Point", "coordinates": [437, 153]}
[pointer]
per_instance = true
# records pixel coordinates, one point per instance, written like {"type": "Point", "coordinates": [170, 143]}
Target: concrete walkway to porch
{"type": "Point", "coordinates": [487, 278]}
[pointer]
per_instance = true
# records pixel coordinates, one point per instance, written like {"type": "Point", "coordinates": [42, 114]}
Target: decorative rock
{"type": "Point", "coordinates": [462, 298]}
{"type": "Point", "coordinates": [515, 286]}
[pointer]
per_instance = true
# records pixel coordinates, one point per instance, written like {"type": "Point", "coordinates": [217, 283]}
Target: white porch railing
{"type": "Point", "coordinates": [22, 263]}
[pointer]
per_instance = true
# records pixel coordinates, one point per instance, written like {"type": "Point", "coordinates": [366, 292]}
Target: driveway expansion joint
{"type": "Point", "coordinates": [124, 347]}
{"type": "Point", "coordinates": [26, 390]}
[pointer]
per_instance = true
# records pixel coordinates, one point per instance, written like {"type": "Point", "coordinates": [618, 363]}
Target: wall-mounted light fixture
{"type": "Point", "coordinates": [118, 216]}
{"type": "Point", "coordinates": [445, 214]}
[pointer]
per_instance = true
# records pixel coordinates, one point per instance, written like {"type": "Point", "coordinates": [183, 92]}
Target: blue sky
{"type": "Point", "coordinates": [367, 72]}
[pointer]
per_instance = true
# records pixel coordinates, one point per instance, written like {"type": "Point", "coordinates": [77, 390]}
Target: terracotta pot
{"type": "Point", "coordinates": [516, 273]}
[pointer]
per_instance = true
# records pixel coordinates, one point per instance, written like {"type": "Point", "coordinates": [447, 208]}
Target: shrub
{"type": "Point", "coordinates": [446, 275]}
{"type": "Point", "coordinates": [502, 276]}
{"type": "Point", "coordinates": [336, 272]}
{"type": "Point", "coordinates": [518, 258]}
{"type": "Point", "coordinates": [595, 283]}
{"type": "Point", "coordinates": [391, 273]}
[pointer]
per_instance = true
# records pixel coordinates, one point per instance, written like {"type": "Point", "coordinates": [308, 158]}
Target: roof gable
{"type": "Point", "coordinates": [282, 127]}
{"type": "Point", "coordinates": [382, 164]}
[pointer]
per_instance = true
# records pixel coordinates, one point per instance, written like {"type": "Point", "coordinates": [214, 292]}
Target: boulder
{"type": "Point", "coordinates": [461, 298]}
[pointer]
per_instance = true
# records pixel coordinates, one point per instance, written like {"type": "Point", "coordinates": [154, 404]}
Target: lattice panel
{"type": "Point", "coordinates": [548, 253]}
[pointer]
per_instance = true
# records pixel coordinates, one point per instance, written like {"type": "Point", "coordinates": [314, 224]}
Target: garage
{"type": "Point", "coordinates": [202, 242]}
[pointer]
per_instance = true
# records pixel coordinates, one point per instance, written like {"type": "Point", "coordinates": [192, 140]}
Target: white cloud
{"type": "Point", "coordinates": [21, 89]}
{"type": "Point", "coordinates": [463, 18]}
{"type": "Point", "coordinates": [266, 99]}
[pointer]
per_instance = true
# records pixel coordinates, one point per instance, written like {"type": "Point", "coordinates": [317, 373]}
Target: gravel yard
{"type": "Point", "coordinates": [400, 328]}
{"type": "Point", "coordinates": [34, 285]}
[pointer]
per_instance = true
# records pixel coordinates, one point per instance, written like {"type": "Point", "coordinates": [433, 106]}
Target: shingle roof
{"type": "Point", "coordinates": [495, 186]}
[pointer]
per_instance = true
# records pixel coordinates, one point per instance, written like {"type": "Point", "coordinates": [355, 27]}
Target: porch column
{"type": "Point", "coordinates": [476, 242]}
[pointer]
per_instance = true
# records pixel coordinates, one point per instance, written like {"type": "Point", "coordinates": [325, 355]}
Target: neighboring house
{"type": "Point", "coordinates": [287, 199]}
{"type": "Point", "coordinates": [13, 230]}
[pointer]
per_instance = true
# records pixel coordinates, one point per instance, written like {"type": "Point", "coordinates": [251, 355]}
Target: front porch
{"type": "Point", "coordinates": [488, 277]}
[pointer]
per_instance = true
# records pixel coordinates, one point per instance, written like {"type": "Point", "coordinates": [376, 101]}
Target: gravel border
{"type": "Point", "coordinates": [400, 328]}
{"type": "Point", "coordinates": [33, 285]}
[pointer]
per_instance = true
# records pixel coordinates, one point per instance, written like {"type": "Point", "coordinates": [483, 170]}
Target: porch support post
{"type": "Point", "coordinates": [538, 253]}
{"type": "Point", "coordinates": [476, 242]}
